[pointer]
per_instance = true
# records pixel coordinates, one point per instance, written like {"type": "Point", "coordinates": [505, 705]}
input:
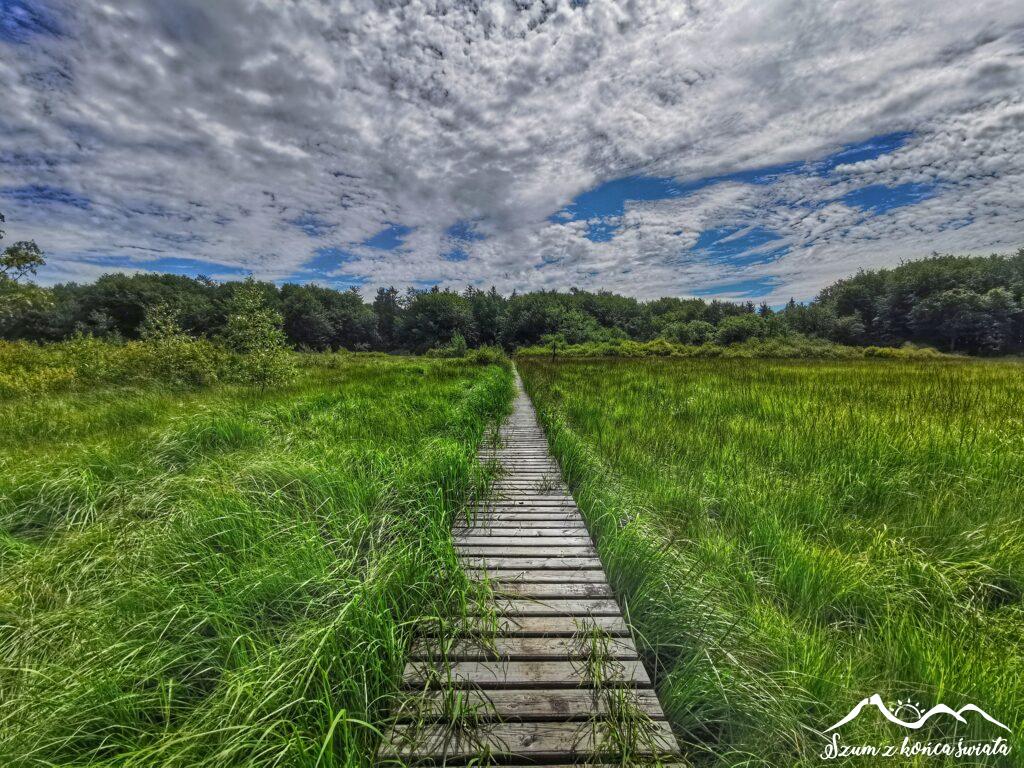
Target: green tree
{"type": "Point", "coordinates": [693, 332]}
{"type": "Point", "coordinates": [17, 262]}
{"type": "Point", "coordinates": [740, 328]}
{"type": "Point", "coordinates": [175, 356]}
{"type": "Point", "coordinates": [431, 318]}
{"type": "Point", "coordinates": [488, 309]}
{"type": "Point", "coordinates": [253, 332]}
{"type": "Point", "coordinates": [20, 260]}
{"type": "Point", "coordinates": [388, 310]}
{"type": "Point", "coordinates": [958, 316]}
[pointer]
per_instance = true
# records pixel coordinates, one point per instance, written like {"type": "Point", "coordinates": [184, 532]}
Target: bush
{"type": "Point", "coordinates": [254, 331]}
{"type": "Point", "coordinates": [455, 348]}
{"type": "Point", "coordinates": [85, 361]}
{"type": "Point", "coordinates": [793, 346]}
{"type": "Point", "coordinates": [693, 332]}
{"type": "Point", "coordinates": [737, 328]}
{"type": "Point", "coordinates": [488, 355]}
{"type": "Point", "coordinates": [175, 356]}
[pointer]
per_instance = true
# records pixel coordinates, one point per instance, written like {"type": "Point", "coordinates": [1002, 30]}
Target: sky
{"type": "Point", "coordinates": [744, 150]}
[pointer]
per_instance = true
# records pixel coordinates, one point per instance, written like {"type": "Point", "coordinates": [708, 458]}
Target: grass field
{"type": "Point", "coordinates": [220, 577]}
{"type": "Point", "coordinates": [793, 536]}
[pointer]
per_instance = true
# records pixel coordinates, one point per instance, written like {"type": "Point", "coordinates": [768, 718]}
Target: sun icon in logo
{"type": "Point", "coordinates": [908, 711]}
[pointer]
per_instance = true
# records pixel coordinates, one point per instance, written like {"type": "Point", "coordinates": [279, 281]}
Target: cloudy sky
{"type": "Point", "coordinates": [753, 149]}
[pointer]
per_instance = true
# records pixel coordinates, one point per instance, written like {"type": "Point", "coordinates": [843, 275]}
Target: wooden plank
{"type": "Point", "coordinates": [518, 530]}
{"type": "Point", "coordinates": [530, 705]}
{"type": "Point", "coordinates": [530, 563]}
{"type": "Point", "coordinates": [555, 606]}
{"type": "Point", "coordinates": [557, 539]}
{"type": "Point", "coordinates": [546, 503]}
{"type": "Point", "coordinates": [517, 648]}
{"type": "Point", "coordinates": [539, 550]}
{"type": "Point", "coordinates": [527, 490]}
{"type": "Point", "coordinates": [525, 517]}
{"type": "Point", "coordinates": [544, 626]}
{"type": "Point", "coordinates": [543, 498]}
{"type": "Point", "coordinates": [531, 740]}
{"type": "Point", "coordinates": [518, 512]}
{"type": "Point", "coordinates": [520, 674]}
{"type": "Point", "coordinates": [507, 506]}
{"type": "Point", "coordinates": [554, 575]}
{"type": "Point", "coordinates": [548, 590]}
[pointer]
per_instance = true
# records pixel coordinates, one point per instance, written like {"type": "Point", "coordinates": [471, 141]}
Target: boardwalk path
{"type": "Point", "coordinates": [554, 677]}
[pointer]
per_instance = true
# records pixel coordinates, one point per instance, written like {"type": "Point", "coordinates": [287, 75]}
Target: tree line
{"type": "Point", "coordinates": [958, 304]}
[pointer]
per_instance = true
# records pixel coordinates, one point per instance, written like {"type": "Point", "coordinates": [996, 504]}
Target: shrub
{"type": "Point", "coordinates": [740, 328]}
{"type": "Point", "coordinates": [488, 355]}
{"type": "Point", "coordinates": [793, 346]}
{"type": "Point", "coordinates": [176, 357]}
{"type": "Point", "coordinates": [455, 348]}
{"type": "Point", "coordinates": [693, 332]}
{"type": "Point", "coordinates": [254, 331]}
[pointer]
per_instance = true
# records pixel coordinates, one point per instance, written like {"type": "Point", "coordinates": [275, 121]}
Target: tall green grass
{"type": "Point", "coordinates": [791, 537]}
{"type": "Point", "coordinates": [222, 577]}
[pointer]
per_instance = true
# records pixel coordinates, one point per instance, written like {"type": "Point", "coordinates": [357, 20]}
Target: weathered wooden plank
{"type": "Point", "coordinates": [517, 648]}
{"type": "Point", "coordinates": [531, 740]}
{"type": "Point", "coordinates": [555, 606]}
{"type": "Point", "coordinates": [543, 626]}
{"type": "Point", "coordinates": [554, 575]}
{"type": "Point", "coordinates": [557, 539]}
{"type": "Point", "coordinates": [538, 550]}
{"type": "Point", "coordinates": [548, 590]}
{"type": "Point", "coordinates": [530, 563]}
{"type": "Point", "coordinates": [556, 518]}
{"type": "Point", "coordinates": [524, 517]}
{"type": "Point", "coordinates": [526, 502]}
{"type": "Point", "coordinates": [519, 530]}
{"type": "Point", "coordinates": [507, 492]}
{"type": "Point", "coordinates": [533, 528]}
{"type": "Point", "coordinates": [521, 674]}
{"type": "Point", "coordinates": [529, 705]}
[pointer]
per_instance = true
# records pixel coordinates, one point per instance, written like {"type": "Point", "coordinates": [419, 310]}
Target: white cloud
{"type": "Point", "coordinates": [200, 130]}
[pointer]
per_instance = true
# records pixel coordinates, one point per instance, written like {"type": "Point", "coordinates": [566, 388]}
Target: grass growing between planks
{"type": "Point", "coordinates": [791, 537]}
{"type": "Point", "coordinates": [223, 577]}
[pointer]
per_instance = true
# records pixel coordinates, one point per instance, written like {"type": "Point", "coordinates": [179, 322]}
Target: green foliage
{"type": "Point", "coordinates": [792, 536]}
{"type": "Point", "coordinates": [790, 346]}
{"type": "Point", "coordinates": [320, 318]}
{"type": "Point", "coordinates": [430, 319]}
{"type": "Point", "coordinates": [690, 332]}
{"type": "Point", "coordinates": [20, 260]}
{"type": "Point", "coordinates": [455, 348]}
{"type": "Point", "coordinates": [226, 577]}
{"type": "Point", "coordinates": [253, 331]}
{"type": "Point", "coordinates": [489, 355]}
{"type": "Point", "coordinates": [733, 330]}
{"type": "Point", "coordinates": [973, 305]}
{"type": "Point", "coordinates": [177, 357]}
{"type": "Point", "coordinates": [83, 362]}
{"type": "Point", "coordinates": [17, 262]}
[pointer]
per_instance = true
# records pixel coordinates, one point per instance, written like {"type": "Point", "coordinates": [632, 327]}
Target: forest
{"type": "Point", "coordinates": [964, 304]}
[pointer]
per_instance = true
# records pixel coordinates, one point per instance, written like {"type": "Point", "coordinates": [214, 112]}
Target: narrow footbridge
{"type": "Point", "coordinates": [547, 673]}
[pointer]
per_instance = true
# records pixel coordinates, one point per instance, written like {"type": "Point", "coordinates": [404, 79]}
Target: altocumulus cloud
{"type": "Point", "coordinates": [752, 149]}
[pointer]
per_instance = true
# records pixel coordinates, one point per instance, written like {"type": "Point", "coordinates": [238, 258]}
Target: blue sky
{"type": "Point", "coordinates": [750, 151]}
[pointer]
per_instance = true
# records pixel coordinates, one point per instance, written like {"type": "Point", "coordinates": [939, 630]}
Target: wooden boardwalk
{"type": "Point", "coordinates": [548, 674]}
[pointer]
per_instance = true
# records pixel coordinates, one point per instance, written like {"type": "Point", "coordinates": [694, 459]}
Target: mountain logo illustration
{"type": "Point", "coordinates": [914, 710]}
